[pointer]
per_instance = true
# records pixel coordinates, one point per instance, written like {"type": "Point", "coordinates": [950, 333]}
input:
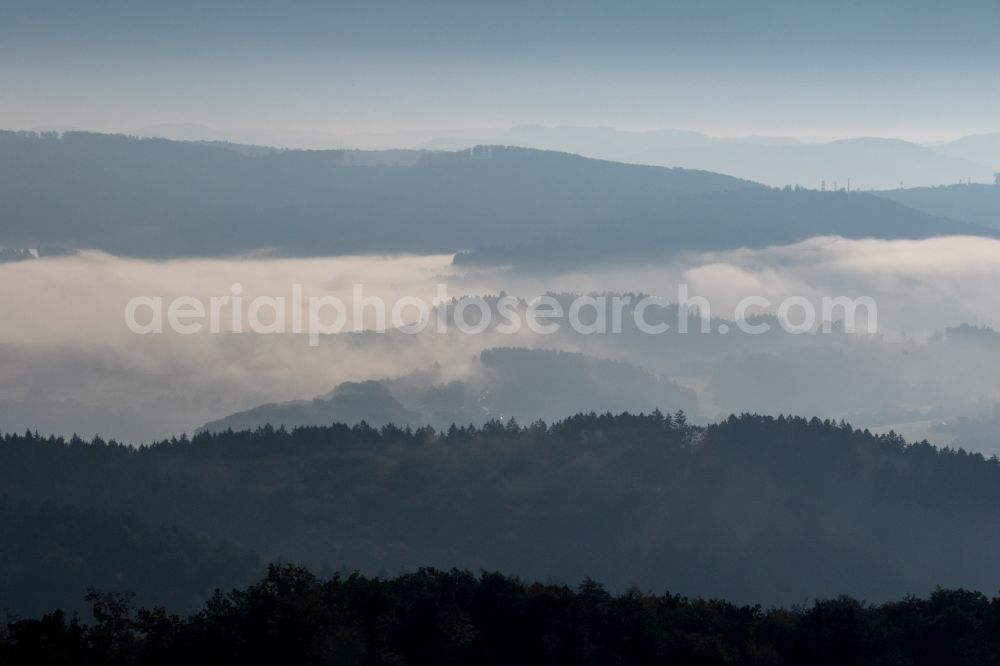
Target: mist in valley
{"type": "Point", "coordinates": [91, 375]}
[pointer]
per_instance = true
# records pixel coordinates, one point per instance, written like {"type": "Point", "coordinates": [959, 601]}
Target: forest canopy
{"type": "Point", "coordinates": [754, 509]}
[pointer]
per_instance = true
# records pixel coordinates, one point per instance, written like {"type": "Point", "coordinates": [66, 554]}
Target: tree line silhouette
{"type": "Point", "coordinates": [438, 618]}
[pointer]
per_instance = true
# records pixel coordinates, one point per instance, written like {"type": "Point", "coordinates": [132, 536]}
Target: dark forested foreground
{"type": "Point", "coordinates": [432, 617]}
{"type": "Point", "coordinates": [752, 509]}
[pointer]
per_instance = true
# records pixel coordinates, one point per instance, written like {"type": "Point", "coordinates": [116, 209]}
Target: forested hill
{"type": "Point", "coordinates": [159, 198]}
{"type": "Point", "coordinates": [524, 384]}
{"type": "Point", "coordinates": [753, 218]}
{"type": "Point", "coordinates": [973, 203]}
{"type": "Point", "coordinates": [754, 509]}
{"type": "Point", "coordinates": [51, 554]}
{"type": "Point", "coordinates": [153, 197]}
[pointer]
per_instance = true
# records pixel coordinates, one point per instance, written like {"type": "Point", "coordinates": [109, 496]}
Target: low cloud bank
{"type": "Point", "coordinates": [68, 363]}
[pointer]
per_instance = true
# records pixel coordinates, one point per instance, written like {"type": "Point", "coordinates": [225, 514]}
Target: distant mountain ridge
{"type": "Point", "coordinates": [865, 163]}
{"type": "Point", "coordinates": [729, 220]}
{"type": "Point", "coordinates": [981, 148]}
{"type": "Point", "coordinates": [976, 203]}
{"type": "Point", "coordinates": [868, 162]}
{"type": "Point", "coordinates": [772, 160]}
{"type": "Point", "coordinates": [159, 198]}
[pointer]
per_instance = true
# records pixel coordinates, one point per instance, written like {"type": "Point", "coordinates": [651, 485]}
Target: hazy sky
{"type": "Point", "coordinates": [922, 70]}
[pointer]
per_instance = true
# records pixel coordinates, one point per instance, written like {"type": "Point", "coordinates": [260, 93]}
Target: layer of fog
{"type": "Point", "coordinates": [920, 286]}
{"type": "Point", "coordinates": [68, 363]}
